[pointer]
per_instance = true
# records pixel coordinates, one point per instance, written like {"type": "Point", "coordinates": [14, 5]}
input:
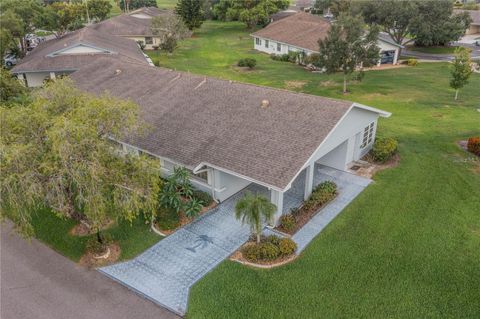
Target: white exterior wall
{"type": "Point", "coordinates": [384, 46]}
{"type": "Point", "coordinates": [474, 29]}
{"type": "Point", "coordinates": [81, 49]}
{"type": "Point", "coordinates": [156, 41]}
{"type": "Point", "coordinates": [36, 79]}
{"type": "Point", "coordinates": [226, 184]}
{"type": "Point", "coordinates": [272, 47]}
{"type": "Point", "coordinates": [345, 140]}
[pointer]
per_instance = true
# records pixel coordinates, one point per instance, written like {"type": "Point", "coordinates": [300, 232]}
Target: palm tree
{"type": "Point", "coordinates": [254, 210]}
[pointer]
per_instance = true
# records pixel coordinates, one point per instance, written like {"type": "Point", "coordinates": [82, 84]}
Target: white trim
{"type": "Point", "coordinates": [57, 53]}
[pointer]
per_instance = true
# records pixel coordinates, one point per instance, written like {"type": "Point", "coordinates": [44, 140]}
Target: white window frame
{"type": "Point", "coordinates": [368, 133]}
{"type": "Point", "coordinates": [267, 44]}
{"type": "Point", "coordinates": [258, 41]}
{"type": "Point", "coordinates": [279, 47]}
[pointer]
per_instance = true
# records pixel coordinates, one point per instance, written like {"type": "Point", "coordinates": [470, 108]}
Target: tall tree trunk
{"type": "Point", "coordinates": [344, 83]}
{"type": "Point", "coordinates": [456, 94]}
{"type": "Point", "coordinates": [258, 237]}
{"type": "Point", "coordinates": [99, 236]}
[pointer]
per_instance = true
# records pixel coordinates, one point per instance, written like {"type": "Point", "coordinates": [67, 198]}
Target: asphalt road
{"type": "Point", "coordinates": [36, 282]}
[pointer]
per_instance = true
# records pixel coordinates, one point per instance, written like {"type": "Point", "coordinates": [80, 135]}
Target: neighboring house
{"type": "Point", "coordinates": [63, 56]}
{"type": "Point", "coordinates": [231, 134]}
{"type": "Point", "coordinates": [475, 25]}
{"type": "Point", "coordinates": [134, 25]}
{"type": "Point", "coordinates": [300, 33]}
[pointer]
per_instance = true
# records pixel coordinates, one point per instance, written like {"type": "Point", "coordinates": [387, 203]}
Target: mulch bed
{"type": "Point", "coordinates": [302, 217]}
{"type": "Point", "coordinates": [88, 260]}
{"type": "Point", "coordinates": [237, 256]}
{"type": "Point", "coordinates": [184, 220]}
{"type": "Point", "coordinates": [372, 167]}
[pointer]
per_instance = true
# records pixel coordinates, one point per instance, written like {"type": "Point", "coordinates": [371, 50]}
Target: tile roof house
{"type": "Point", "coordinates": [231, 134]}
{"type": "Point", "coordinates": [134, 25]}
{"type": "Point", "coordinates": [62, 56]}
{"type": "Point", "coordinates": [301, 32]}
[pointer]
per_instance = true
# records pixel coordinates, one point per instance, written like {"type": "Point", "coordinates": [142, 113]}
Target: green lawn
{"type": "Point", "coordinates": [54, 231]}
{"type": "Point", "coordinates": [434, 50]}
{"type": "Point", "coordinates": [167, 4]}
{"type": "Point", "coordinates": [409, 246]}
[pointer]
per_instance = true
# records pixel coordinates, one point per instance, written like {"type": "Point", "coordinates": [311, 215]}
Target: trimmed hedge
{"type": "Point", "coordinates": [473, 145]}
{"type": "Point", "coordinates": [412, 62]}
{"type": "Point", "coordinates": [287, 222]}
{"type": "Point", "coordinates": [383, 149]}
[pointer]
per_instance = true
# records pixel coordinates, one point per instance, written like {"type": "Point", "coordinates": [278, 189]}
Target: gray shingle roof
{"type": "Point", "coordinates": [194, 119]}
{"type": "Point", "coordinates": [39, 59]}
{"type": "Point", "coordinates": [128, 25]}
{"type": "Point", "coordinates": [301, 29]}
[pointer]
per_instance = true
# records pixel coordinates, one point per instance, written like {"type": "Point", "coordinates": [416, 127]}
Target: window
{"type": "Point", "coordinates": [279, 47]}
{"type": "Point", "coordinates": [266, 43]}
{"type": "Point", "coordinates": [258, 41]}
{"type": "Point", "coordinates": [148, 40]}
{"type": "Point", "coordinates": [367, 135]}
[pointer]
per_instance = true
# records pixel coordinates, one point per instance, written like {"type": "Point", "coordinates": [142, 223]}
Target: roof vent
{"type": "Point", "coordinates": [265, 104]}
{"type": "Point", "coordinates": [118, 71]}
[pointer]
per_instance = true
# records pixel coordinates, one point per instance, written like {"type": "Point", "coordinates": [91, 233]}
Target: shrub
{"type": "Point", "coordinates": [204, 197]}
{"type": "Point", "coordinates": [272, 239]}
{"type": "Point", "coordinates": [251, 252]}
{"type": "Point", "coordinates": [280, 57]}
{"type": "Point", "coordinates": [268, 251]}
{"type": "Point", "coordinates": [247, 62]}
{"type": "Point", "coordinates": [94, 246]}
{"type": "Point", "coordinates": [167, 219]}
{"type": "Point", "coordinates": [473, 145]}
{"type": "Point", "coordinates": [312, 59]}
{"type": "Point", "coordinates": [412, 62]}
{"type": "Point", "coordinates": [287, 222]}
{"type": "Point", "coordinates": [384, 148]}
{"type": "Point", "coordinates": [327, 186]}
{"type": "Point", "coordinates": [193, 207]}
{"type": "Point", "coordinates": [287, 246]}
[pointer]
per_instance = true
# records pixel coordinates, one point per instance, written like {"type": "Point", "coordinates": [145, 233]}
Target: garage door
{"type": "Point", "coordinates": [387, 57]}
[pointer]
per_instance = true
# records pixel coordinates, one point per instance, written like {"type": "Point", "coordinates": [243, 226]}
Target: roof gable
{"type": "Point", "coordinates": [81, 48]}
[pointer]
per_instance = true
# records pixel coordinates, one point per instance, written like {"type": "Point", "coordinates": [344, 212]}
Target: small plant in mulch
{"type": "Point", "coordinates": [384, 149]}
{"type": "Point", "coordinates": [270, 250]}
{"type": "Point", "coordinates": [321, 195]}
{"type": "Point", "coordinates": [101, 250]}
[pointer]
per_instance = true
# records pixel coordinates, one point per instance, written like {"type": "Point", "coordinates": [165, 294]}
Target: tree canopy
{"type": "Point", "coordinates": [58, 152]}
{"type": "Point", "coordinates": [171, 29]}
{"type": "Point", "coordinates": [251, 12]}
{"type": "Point", "coordinates": [348, 46]}
{"type": "Point", "coordinates": [191, 12]}
{"type": "Point", "coordinates": [461, 69]}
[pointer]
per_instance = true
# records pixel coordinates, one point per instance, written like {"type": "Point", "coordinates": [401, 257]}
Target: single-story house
{"type": "Point", "coordinates": [65, 55]}
{"type": "Point", "coordinates": [300, 33]}
{"type": "Point", "coordinates": [134, 25]}
{"type": "Point", "coordinates": [231, 134]}
{"type": "Point", "coordinates": [475, 25]}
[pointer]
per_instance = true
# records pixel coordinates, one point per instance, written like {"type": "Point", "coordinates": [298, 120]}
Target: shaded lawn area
{"type": "Point", "coordinates": [433, 50]}
{"type": "Point", "coordinates": [55, 232]}
{"type": "Point", "coordinates": [409, 245]}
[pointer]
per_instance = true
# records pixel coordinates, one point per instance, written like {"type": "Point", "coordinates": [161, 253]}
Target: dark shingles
{"type": "Point", "coordinates": [194, 119]}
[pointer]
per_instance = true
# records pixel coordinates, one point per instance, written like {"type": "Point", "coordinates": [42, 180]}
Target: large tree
{"type": "Point", "coordinates": [251, 12]}
{"type": "Point", "coordinates": [58, 153]}
{"type": "Point", "coordinates": [20, 17]}
{"type": "Point", "coordinates": [461, 69]}
{"type": "Point", "coordinates": [348, 46]}
{"type": "Point", "coordinates": [255, 210]}
{"type": "Point", "coordinates": [99, 9]}
{"type": "Point", "coordinates": [436, 24]}
{"type": "Point", "coordinates": [426, 22]}
{"type": "Point", "coordinates": [61, 17]}
{"type": "Point", "coordinates": [191, 12]}
{"type": "Point", "coordinates": [170, 28]}
{"type": "Point", "coordinates": [127, 5]}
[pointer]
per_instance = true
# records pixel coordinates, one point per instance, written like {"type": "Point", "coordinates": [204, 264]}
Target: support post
{"type": "Point", "coordinates": [52, 76]}
{"type": "Point", "coordinates": [309, 180]}
{"type": "Point", "coordinates": [276, 198]}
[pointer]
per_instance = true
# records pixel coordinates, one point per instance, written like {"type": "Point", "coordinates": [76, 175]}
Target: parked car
{"type": "Point", "coordinates": [10, 60]}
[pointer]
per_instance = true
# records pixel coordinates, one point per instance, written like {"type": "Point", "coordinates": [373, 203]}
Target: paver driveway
{"type": "Point", "coordinates": [165, 272]}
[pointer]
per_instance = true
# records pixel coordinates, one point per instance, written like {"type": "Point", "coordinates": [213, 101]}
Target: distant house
{"type": "Point", "coordinates": [300, 33]}
{"type": "Point", "coordinates": [475, 25]}
{"type": "Point", "coordinates": [134, 25]}
{"type": "Point", "coordinates": [231, 134]}
{"type": "Point", "coordinates": [59, 57]}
